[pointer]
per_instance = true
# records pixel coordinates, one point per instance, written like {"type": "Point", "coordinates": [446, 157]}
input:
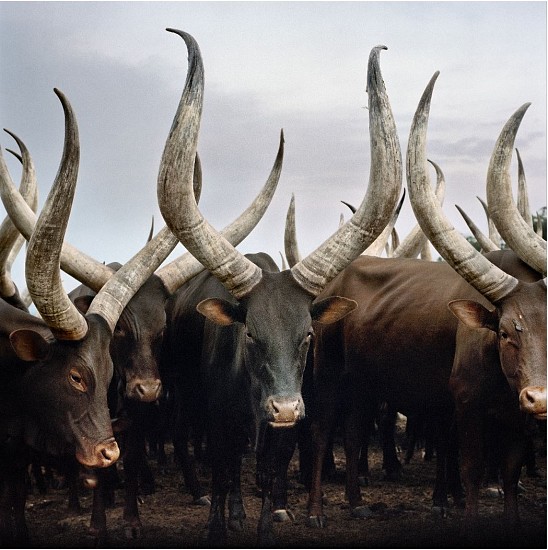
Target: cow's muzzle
{"type": "Point", "coordinates": [144, 390]}
{"type": "Point", "coordinates": [100, 455]}
{"type": "Point", "coordinates": [284, 412]}
{"type": "Point", "coordinates": [532, 400]}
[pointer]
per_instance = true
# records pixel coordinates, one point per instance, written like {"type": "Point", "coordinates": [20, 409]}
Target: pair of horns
{"type": "Point", "coordinates": [238, 274]}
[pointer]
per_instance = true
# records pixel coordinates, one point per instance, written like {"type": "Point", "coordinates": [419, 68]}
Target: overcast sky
{"type": "Point", "coordinates": [300, 66]}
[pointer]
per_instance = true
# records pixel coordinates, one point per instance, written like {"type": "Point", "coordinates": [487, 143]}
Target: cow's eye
{"type": "Point", "coordinates": [503, 335]}
{"type": "Point", "coordinates": [76, 380]}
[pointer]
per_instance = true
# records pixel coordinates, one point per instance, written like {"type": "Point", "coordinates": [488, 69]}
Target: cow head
{"type": "Point", "coordinates": [518, 319]}
{"type": "Point", "coordinates": [275, 311]}
{"type": "Point", "coordinates": [275, 333]}
{"type": "Point", "coordinates": [519, 325]}
{"type": "Point", "coordinates": [137, 338]}
{"type": "Point", "coordinates": [66, 395]}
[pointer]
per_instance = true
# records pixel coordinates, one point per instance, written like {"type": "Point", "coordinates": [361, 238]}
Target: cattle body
{"type": "Point", "coordinates": [499, 374]}
{"type": "Point", "coordinates": [242, 376]}
{"type": "Point", "coordinates": [272, 312]}
{"type": "Point", "coordinates": [136, 385]}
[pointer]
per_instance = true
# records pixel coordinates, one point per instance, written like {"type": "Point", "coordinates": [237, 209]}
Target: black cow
{"type": "Point", "coordinates": [259, 322]}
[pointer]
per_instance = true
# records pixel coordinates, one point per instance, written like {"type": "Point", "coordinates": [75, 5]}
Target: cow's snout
{"type": "Point", "coordinates": [144, 390]}
{"type": "Point", "coordinates": [532, 400]}
{"type": "Point", "coordinates": [285, 412]}
{"type": "Point", "coordinates": [101, 455]}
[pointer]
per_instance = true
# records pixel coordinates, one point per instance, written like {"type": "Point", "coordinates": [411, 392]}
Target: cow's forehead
{"type": "Point", "coordinates": [278, 301]}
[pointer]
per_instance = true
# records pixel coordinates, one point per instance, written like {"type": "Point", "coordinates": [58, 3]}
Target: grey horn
{"type": "Point", "coordinates": [485, 277]}
{"type": "Point", "coordinates": [513, 228]}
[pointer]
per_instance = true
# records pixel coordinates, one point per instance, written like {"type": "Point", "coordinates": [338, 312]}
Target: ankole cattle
{"type": "Point", "coordinates": [404, 345]}
{"type": "Point", "coordinates": [56, 371]}
{"type": "Point", "coordinates": [258, 322]}
{"type": "Point", "coordinates": [498, 378]}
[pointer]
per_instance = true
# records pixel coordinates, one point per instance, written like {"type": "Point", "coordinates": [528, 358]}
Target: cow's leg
{"type": "Point", "coordinates": [440, 428]}
{"type": "Point", "coordinates": [510, 470]}
{"type": "Point", "coordinates": [387, 428]}
{"type": "Point", "coordinates": [19, 496]}
{"type": "Point", "coordinates": [188, 465]}
{"type": "Point", "coordinates": [279, 489]}
{"type": "Point", "coordinates": [220, 482]}
{"type": "Point", "coordinates": [470, 425]}
{"type": "Point", "coordinates": [326, 394]}
{"type": "Point", "coordinates": [72, 476]}
{"type": "Point", "coordinates": [454, 485]}
{"type": "Point", "coordinates": [352, 445]}
{"type": "Point", "coordinates": [134, 455]}
{"type": "Point", "coordinates": [320, 430]}
{"type": "Point", "coordinates": [236, 510]}
{"type": "Point", "coordinates": [363, 464]}
{"type": "Point", "coordinates": [98, 523]}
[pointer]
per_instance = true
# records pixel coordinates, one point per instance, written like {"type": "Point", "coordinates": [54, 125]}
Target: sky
{"type": "Point", "coordinates": [300, 66]}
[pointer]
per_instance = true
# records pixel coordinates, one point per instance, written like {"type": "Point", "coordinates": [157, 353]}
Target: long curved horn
{"type": "Point", "coordinates": [11, 240]}
{"type": "Point", "coordinates": [514, 230]}
{"type": "Point", "coordinates": [238, 274]}
{"type": "Point", "coordinates": [74, 262]}
{"type": "Point", "coordinates": [486, 244]}
{"type": "Point", "coordinates": [120, 288]}
{"type": "Point", "coordinates": [381, 242]}
{"type": "Point", "coordinates": [485, 277]}
{"type": "Point", "coordinates": [290, 235]}
{"type": "Point", "coordinates": [176, 273]}
{"type": "Point", "coordinates": [416, 240]}
{"type": "Point", "coordinates": [523, 196]}
{"type": "Point", "coordinates": [494, 234]}
{"type": "Point", "coordinates": [44, 249]}
{"type": "Point", "coordinates": [349, 241]}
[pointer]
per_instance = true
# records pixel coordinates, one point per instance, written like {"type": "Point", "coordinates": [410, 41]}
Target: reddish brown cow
{"type": "Point", "coordinates": [499, 375]}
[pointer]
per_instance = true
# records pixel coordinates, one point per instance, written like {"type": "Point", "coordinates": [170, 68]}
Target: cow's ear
{"type": "Point", "coordinates": [29, 345]}
{"type": "Point", "coordinates": [220, 311]}
{"type": "Point", "coordinates": [332, 309]}
{"type": "Point", "coordinates": [82, 303]}
{"type": "Point", "coordinates": [473, 314]}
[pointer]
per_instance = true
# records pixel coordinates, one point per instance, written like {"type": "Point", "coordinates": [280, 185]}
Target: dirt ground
{"type": "Point", "coordinates": [402, 518]}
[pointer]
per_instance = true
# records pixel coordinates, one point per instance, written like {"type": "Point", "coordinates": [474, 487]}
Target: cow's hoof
{"type": "Point", "coordinates": [132, 531]}
{"type": "Point", "coordinates": [440, 511]}
{"type": "Point", "coordinates": [202, 501]}
{"type": "Point", "coordinates": [99, 537]}
{"type": "Point", "coordinates": [236, 524]}
{"type": "Point", "coordinates": [363, 481]}
{"type": "Point", "coordinates": [317, 522]}
{"type": "Point", "coordinates": [266, 540]}
{"type": "Point", "coordinates": [361, 512]}
{"type": "Point", "coordinates": [281, 516]}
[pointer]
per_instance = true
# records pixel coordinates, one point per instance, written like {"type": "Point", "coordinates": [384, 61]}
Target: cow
{"type": "Point", "coordinates": [138, 335]}
{"type": "Point", "coordinates": [399, 345]}
{"type": "Point", "coordinates": [258, 323]}
{"type": "Point", "coordinates": [56, 370]}
{"type": "Point", "coordinates": [498, 379]}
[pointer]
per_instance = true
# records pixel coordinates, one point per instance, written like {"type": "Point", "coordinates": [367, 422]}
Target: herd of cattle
{"type": "Point", "coordinates": [235, 347]}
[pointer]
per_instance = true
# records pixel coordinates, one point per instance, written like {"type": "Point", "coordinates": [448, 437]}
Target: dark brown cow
{"type": "Point", "coordinates": [259, 322]}
{"type": "Point", "coordinates": [56, 372]}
